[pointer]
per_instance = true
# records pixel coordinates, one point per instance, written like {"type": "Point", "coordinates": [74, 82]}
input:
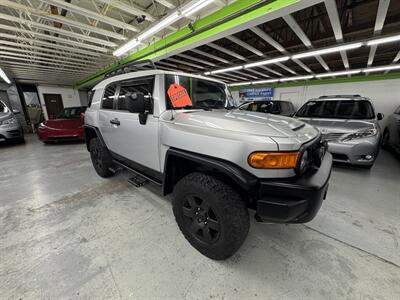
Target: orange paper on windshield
{"type": "Point", "coordinates": [179, 96]}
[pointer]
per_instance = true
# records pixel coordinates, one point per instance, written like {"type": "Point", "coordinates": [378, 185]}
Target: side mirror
{"type": "Point", "coordinates": [380, 116]}
{"type": "Point", "coordinates": [16, 111]}
{"type": "Point", "coordinates": [138, 103]}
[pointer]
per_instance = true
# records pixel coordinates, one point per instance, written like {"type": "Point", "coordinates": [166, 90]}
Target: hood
{"type": "Point", "coordinates": [244, 122]}
{"type": "Point", "coordinates": [64, 123]}
{"type": "Point", "coordinates": [339, 125]}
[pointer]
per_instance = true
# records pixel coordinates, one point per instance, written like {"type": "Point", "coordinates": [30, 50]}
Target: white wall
{"type": "Point", "coordinates": [70, 96]}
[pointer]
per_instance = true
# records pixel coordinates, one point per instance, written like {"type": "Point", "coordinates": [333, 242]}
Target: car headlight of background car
{"type": "Point", "coordinates": [8, 122]}
{"type": "Point", "coordinates": [41, 125]}
{"type": "Point", "coordinates": [360, 134]}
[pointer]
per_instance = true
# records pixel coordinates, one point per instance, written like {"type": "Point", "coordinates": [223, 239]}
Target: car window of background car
{"type": "Point", "coordinates": [143, 85]}
{"type": "Point", "coordinates": [107, 102]}
{"type": "Point", "coordinates": [310, 109]}
{"type": "Point", "coordinates": [202, 92]}
{"type": "Point", "coordinates": [71, 113]}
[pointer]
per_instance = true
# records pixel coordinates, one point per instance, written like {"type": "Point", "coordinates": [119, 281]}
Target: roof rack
{"type": "Point", "coordinates": [143, 65]}
{"type": "Point", "coordinates": [340, 96]}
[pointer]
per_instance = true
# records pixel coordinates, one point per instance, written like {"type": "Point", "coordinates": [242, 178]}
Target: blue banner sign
{"type": "Point", "coordinates": [253, 93]}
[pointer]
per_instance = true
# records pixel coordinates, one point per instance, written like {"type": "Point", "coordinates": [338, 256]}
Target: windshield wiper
{"type": "Point", "coordinates": [193, 107]}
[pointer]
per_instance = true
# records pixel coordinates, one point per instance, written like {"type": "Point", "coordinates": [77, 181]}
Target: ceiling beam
{"type": "Point", "coordinates": [271, 71]}
{"type": "Point", "coordinates": [202, 61]}
{"type": "Point", "coordinates": [244, 45]}
{"type": "Point", "coordinates": [226, 51]}
{"type": "Point", "coordinates": [379, 22]}
{"type": "Point", "coordinates": [60, 31]}
{"type": "Point", "coordinates": [166, 4]}
{"type": "Point", "coordinates": [258, 73]}
{"type": "Point", "coordinates": [60, 19]}
{"type": "Point", "coordinates": [36, 66]}
{"type": "Point", "coordinates": [53, 38]}
{"type": "Point", "coordinates": [185, 63]}
{"type": "Point", "coordinates": [277, 46]}
{"type": "Point", "coordinates": [129, 9]}
{"type": "Point", "coordinates": [333, 14]}
{"type": "Point", "coordinates": [303, 38]}
{"type": "Point", "coordinates": [210, 56]}
{"type": "Point", "coordinates": [91, 14]}
{"type": "Point", "coordinates": [50, 45]}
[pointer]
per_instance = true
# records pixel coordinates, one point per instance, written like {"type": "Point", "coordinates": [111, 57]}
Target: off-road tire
{"type": "Point", "coordinates": [226, 209]}
{"type": "Point", "coordinates": [101, 158]}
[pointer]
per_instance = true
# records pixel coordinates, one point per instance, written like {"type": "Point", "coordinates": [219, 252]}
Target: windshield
{"type": "Point", "coordinates": [190, 92]}
{"type": "Point", "coordinates": [337, 109]}
{"type": "Point", "coordinates": [71, 113]}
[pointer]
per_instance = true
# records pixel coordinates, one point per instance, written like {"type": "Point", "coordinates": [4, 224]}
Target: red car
{"type": "Point", "coordinates": [66, 127]}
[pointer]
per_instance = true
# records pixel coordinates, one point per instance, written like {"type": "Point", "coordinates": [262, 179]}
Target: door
{"type": "Point", "coordinates": [136, 144]}
{"type": "Point", "coordinates": [54, 105]}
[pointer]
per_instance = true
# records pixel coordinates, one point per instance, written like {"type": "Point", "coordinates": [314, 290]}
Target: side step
{"type": "Point", "coordinates": [138, 181]}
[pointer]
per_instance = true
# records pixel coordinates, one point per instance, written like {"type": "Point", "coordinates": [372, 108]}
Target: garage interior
{"type": "Point", "coordinates": [66, 232]}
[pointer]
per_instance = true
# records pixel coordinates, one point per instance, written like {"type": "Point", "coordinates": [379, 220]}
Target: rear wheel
{"type": "Point", "coordinates": [211, 215]}
{"type": "Point", "coordinates": [101, 158]}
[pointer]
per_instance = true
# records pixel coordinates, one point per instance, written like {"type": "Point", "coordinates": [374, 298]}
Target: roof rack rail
{"type": "Point", "coordinates": [339, 96]}
{"type": "Point", "coordinates": [143, 65]}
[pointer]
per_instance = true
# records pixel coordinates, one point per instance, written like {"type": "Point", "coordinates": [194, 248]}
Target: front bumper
{"type": "Point", "coordinates": [294, 200]}
{"type": "Point", "coordinates": [49, 134]}
{"type": "Point", "coordinates": [357, 152]}
{"type": "Point", "coordinates": [11, 132]}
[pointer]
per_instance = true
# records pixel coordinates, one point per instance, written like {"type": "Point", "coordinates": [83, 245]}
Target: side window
{"type": "Point", "coordinates": [107, 102]}
{"type": "Point", "coordinates": [143, 85]}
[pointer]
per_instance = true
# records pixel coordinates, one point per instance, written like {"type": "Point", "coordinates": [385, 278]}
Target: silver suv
{"type": "Point", "coordinates": [10, 129]}
{"type": "Point", "coordinates": [349, 124]}
{"type": "Point", "coordinates": [181, 132]}
{"type": "Point", "coordinates": [391, 134]}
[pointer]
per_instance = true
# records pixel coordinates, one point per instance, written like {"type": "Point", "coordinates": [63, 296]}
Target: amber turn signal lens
{"type": "Point", "coordinates": [273, 160]}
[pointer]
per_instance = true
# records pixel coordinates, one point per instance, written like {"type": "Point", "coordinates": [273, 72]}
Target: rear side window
{"type": "Point", "coordinates": [107, 102]}
{"type": "Point", "coordinates": [143, 85]}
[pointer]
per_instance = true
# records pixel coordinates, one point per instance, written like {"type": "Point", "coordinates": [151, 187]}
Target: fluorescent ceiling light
{"type": "Point", "coordinates": [4, 76]}
{"type": "Point", "coordinates": [265, 81]}
{"type": "Point", "coordinates": [384, 40]}
{"type": "Point", "coordinates": [331, 74]}
{"type": "Point", "coordinates": [125, 48]}
{"type": "Point", "coordinates": [190, 10]}
{"type": "Point", "coordinates": [328, 50]}
{"type": "Point", "coordinates": [379, 69]}
{"type": "Point", "coordinates": [296, 78]}
{"type": "Point", "coordinates": [159, 26]}
{"type": "Point", "coordinates": [207, 73]}
{"type": "Point", "coordinates": [240, 83]}
{"type": "Point", "coordinates": [267, 62]}
{"type": "Point", "coordinates": [147, 33]}
{"type": "Point", "coordinates": [227, 70]}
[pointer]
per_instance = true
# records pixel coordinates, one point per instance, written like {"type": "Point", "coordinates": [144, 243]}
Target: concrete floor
{"type": "Point", "coordinates": [65, 232]}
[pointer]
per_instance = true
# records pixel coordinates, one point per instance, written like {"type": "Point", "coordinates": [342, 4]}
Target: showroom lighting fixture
{"type": "Point", "coordinates": [191, 9]}
{"type": "Point", "coordinates": [240, 83]}
{"type": "Point", "coordinates": [332, 74]}
{"type": "Point", "coordinates": [265, 81]}
{"type": "Point", "coordinates": [226, 70]}
{"type": "Point", "coordinates": [379, 69]}
{"type": "Point", "coordinates": [384, 40]}
{"type": "Point", "coordinates": [267, 62]}
{"type": "Point", "coordinates": [328, 50]}
{"type": "Point", "coordinates": [4, 76]}
{"type": "Point", "coordinates": [296, 78]}
{"type": "Point", "coordinates": [162, 24]}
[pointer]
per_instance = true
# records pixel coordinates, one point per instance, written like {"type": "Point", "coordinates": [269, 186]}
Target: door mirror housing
{"type": "Point", "coordinates": [140, 104]}
{"type": "Point", "coordinates": [16, 111]}
{"type": "Point", "coordinates": [380, 116]}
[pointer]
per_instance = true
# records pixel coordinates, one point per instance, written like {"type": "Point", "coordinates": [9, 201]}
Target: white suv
{"type": "Point", "coordinates": [181, 131]}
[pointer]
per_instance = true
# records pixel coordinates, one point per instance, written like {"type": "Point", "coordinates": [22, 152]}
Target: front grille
{"type": "Point", "coordinates": [332, 136]}
{"type": "Point", "coordinates": [341, 157]}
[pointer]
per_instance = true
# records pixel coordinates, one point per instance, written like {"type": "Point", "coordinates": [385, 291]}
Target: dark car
{"type": "Point", "coordinates": [391, 134]}
{"type": "Point", "coordinates": [276, 107]}
{"type": "Point", "coordinates": [67, 126]}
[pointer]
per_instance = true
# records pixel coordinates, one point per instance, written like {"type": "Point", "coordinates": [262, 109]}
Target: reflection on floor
{"type": "Point", "coordinates": [65, 232]}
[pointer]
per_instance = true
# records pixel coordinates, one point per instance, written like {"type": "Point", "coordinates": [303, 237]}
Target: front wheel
{"type": "Point", "coordinates": [211, 215]}
{"type": "Point", "coordinates": [101, 158]}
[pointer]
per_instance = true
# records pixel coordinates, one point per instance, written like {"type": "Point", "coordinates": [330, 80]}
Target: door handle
{"type": "Point", "coordinates": [115, 122]}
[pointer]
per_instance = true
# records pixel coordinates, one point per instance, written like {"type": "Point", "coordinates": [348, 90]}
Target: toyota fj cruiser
{"type": "Point", "coordinates": [182, 132]}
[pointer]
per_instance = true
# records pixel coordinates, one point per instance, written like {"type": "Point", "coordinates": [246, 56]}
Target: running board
{"type": "Point", "coordinates": [143, 176]}
{"type": "Point", "coordinates": [138, 181]}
